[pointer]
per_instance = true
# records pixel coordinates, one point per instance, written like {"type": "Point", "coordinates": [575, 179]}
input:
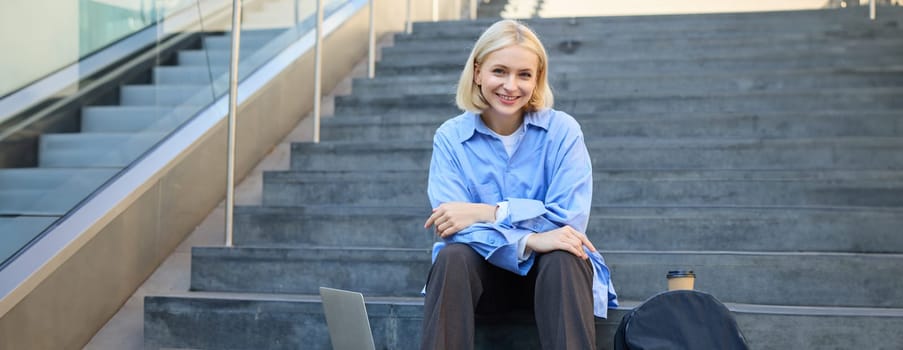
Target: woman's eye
{"type": "Point", "coordinates": [498, 71]}
{"type": "Point", "coordinates": [526, 75]}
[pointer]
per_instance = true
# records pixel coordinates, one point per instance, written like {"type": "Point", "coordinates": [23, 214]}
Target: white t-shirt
{"type": "Point", "coordinates": [511, 142]}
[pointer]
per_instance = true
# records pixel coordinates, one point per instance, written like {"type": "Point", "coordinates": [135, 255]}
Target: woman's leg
{"type": "Point", "coordinates": [453, 290]}
{"type": "Point", "coordinates": [563, 301]}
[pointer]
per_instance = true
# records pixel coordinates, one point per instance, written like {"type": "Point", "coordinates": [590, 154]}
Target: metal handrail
{"type": "Point", "coordinates": [318, 71]}
{"type": "Point", "coordinates": [435, 10]}
{"type": "Point", "coordinates": [407, 18]}
{"type": "Point", "coordinates": [872, 10]}
{"type": "Point", "coordinates": [371, 45]}
{"type": "Point", "coordinates": [233, 99]}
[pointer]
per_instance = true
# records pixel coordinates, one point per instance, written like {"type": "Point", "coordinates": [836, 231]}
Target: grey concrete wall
{"type": "Point", "coordinates": [68, 307]}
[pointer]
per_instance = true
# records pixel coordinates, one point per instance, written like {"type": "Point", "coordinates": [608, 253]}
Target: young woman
{"type": "Point", "coordinates": [511, 186]}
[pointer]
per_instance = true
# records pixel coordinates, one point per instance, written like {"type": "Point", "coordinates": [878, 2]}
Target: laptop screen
{"type": "Point", "coordinates": [346, 317]}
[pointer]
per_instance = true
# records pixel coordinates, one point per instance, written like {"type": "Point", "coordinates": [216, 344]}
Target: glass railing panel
{"type": "Point", "coordinates": [31, 199]}
{"type": "Point", "coordinates": [18, 231]}
{"type": "Point", "coordinates": [71, 31]}
{"type": "Point", "coordinates": [43, 41]}
{"type": "Point", "coordinates": [100, 125]}
{"type": "Point", "coordinates": [184, 71]}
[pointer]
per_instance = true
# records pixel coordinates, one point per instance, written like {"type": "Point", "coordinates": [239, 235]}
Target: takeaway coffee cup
{"type": "Point", "coordinates": [681, 279]}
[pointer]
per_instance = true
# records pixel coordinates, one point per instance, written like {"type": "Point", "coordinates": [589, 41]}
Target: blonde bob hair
{"type": "Point", "coordinates": [500, 35]}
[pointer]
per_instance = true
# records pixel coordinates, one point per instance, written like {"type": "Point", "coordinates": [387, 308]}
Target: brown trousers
{"type": "Point", "coordinates": [558, 289]}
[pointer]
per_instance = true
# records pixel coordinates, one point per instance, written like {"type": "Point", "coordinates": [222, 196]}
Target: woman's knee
{"type": "Point", "coordinates": [562, 265]}
{"type": "Point", "coordinates": [563, 274]}
{"type": "Point", "coordinates": [561, 258]}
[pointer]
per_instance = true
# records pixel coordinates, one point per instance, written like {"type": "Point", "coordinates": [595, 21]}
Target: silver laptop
{"type": "Point", "coordinates": [346, 317]}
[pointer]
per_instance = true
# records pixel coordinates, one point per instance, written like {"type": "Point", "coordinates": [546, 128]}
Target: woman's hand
{"type": "Point", "coordinates": [452, 217]}
{"type": "Point", "coordinates": [565, 238]}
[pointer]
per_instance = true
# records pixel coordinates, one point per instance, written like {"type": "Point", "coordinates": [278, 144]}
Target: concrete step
{"type": "Point", "coordinates": [224, 42]}
{"type": "Point", "coordinates": [764, 19]}
{"type": "Point", "coordinates": [831, 100]}
{"type": "Point", "coordinates": [165, 95]}
{"type": "Point", "coordinates": [738, 125]}
{"type": "Point", "coordinates": [588, 102]}
{"type": "Point", "coordinates": [352, 226]}
{"type": "Point", "coordinates": [188, 75]}
{"type": "Point", "coordinates": [43, 191]}
{"type": "Point", "coordinates": [449, 79]}
{"type": "Point", "coordinates": [130, 119]}
{"type": "Point", "coordinates": [850, 23]}
{"type": "Point", "coordinates": [780, 78]}
{"type": "Point", "coordinates": [588, 46]}
{"type": "Point", "coordinates": [209, 57]}
{"type": "Point", "coordinates": [553, 36]}
{"type": "Point", "coordinates": [643, 84]}
{"type": "Point", "coordinates": [839, 20]}
{"type": "Point", "coordinates": [832, 188]}
{"type": "Point", "coordinates": [635, 153]}
{"type": "Point", "coordinates": [569, 92]}
{"type": "Point", "coordinates": [816, 279]}
{"type": "Point", "coordinates": [250, 321]}
{"type": "Point", "coordinates": [94, 150]}
{"type": "Point", "coordinates": [395, 323]}
{"type": "Point", "coordinates": [713, 228]}
{"type": "Point", "coordinates": [653, 65]}
{"type": "Point", "coordinates": [17, 231]}
{"type": "Point", "coordinates": [854, 230]}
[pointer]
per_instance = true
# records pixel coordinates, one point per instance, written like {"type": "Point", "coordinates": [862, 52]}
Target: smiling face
{"type": "Point", "coordinates": [507, 78]}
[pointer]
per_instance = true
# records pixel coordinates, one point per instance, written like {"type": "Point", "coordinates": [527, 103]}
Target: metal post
{"type": "Point", "coordinates": [473, 10]}
{"type": "Point", "coordinates": [371, 51]}
{"type": "Point", "coordinates": [318, 71]}
{"type": "Point", "coordinates": [233, 99]}
{"type": "Point", "coordinates": [407, 19]}
{"type": "Point", "coordinates": [435, 10]}
{"type": "Point", "coordinates": [872, 9]}
{"type": "Point", "coordinates": [297, 15]}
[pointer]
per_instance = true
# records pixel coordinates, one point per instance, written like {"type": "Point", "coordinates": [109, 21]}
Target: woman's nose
{"type": "Point", "coordinates": [510, 82]}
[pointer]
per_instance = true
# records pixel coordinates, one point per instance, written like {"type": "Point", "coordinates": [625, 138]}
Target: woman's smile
{"type": "Point", "coordinates": [507, 99]}
{"type": "Point", "coordinates": [507, 79]}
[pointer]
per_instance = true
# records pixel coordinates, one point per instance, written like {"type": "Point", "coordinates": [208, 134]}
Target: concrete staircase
{"type": "Point", "coordinates": [762, 150]}
{"type": "Point", "coordinates": [73, 165]}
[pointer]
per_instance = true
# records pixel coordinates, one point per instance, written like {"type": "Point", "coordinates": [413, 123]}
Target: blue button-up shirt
{"type": "Point", "coordinates": [547, 183]}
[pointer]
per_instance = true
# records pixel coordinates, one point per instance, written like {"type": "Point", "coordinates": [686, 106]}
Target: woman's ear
{"type": "Point", "coordinates": [476, 73]}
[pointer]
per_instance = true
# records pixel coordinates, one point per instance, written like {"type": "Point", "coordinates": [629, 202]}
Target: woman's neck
{"type": "Point", "coordinates": [503, 125]}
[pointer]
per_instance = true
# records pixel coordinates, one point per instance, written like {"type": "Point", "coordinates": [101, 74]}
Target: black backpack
{"type": "Point", "coordinates": [680, 319]}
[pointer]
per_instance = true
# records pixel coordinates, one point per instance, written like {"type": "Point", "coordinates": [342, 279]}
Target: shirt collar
{"type": "Point", "coordinates": [541, 119]}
